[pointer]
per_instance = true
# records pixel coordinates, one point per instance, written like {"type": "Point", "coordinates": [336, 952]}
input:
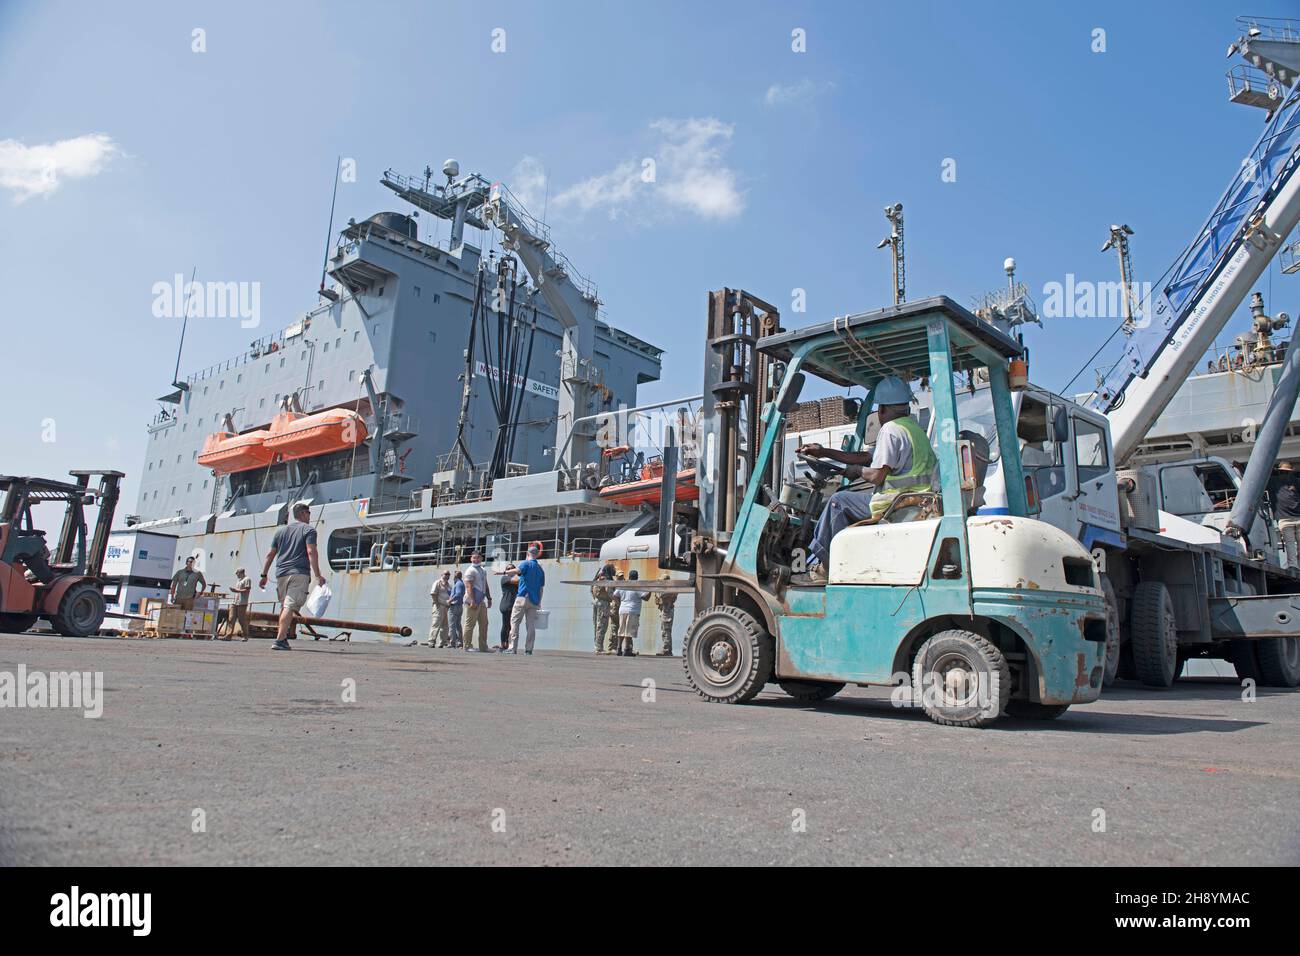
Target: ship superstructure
{"type": "Point", "coordinates": [390, 342]}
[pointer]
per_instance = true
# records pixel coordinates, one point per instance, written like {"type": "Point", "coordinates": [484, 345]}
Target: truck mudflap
{"type": "Point", "coordinates": [1065, 634]}
{"type": "Point", "coordinates": [1255, 616]}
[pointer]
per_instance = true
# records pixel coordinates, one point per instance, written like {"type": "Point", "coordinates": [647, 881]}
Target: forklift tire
{"type": "Point", "coordinates": [16, 623]}
{"type": "Point", "coordinates": [963, 679]}
{"type": "Point", "coordinates": [1034, 711]}
{"type": "Point", "coordinates": [1111, 668]}
{"type": "Point", "coordinates": [1279, 661]}
{"type": "Point", "coordinates": [728, 656]}
{"type": "Point", "coordinates": [810, 690]}
{"type": "Point", "coordinates": [81, 612]}
{"type": "Point", "coordinates": [1153, 634]}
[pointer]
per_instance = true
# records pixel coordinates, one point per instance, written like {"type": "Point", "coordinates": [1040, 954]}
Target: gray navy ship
{"type": "Point", "coordinates": [437, 400]}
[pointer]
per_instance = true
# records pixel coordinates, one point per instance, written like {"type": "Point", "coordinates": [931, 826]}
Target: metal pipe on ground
{"type": "Point", "coordinates": [263, 617]}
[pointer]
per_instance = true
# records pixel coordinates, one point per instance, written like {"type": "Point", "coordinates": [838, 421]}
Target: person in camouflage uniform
{"type": "Point", "coordinates": [666, 602]}
{"type": "Point", "coordinates": [614, 604]}
{"type": "Point", "coordinates": [600, 603]}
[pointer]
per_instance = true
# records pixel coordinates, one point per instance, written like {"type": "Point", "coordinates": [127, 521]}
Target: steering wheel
{"type": "Point", "coordinates": [823, 467]}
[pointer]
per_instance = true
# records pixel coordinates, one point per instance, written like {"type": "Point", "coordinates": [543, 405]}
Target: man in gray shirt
{"type": "Point", "coordinates": [293, 549]}
{"type": "Point", "coordinates": [186, 583]}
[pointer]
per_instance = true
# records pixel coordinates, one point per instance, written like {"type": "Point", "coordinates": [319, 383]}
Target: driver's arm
{"type": "Point", "coordinates": [814, 450]}
{"type": "Point", "coordinates": [876, 476]}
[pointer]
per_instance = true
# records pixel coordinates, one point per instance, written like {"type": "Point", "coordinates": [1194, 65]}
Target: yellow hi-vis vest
{"type": "Point", "coordinates": [916, 478]}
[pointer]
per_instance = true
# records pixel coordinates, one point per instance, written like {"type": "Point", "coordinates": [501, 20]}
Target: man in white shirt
{"type": "Point", "coordinates": [903, 461]}
{"type": "Point", "coordinates": [239, 609]}
{"type": "Point", "coordinates": [629, 617]}
{"type": "Point", "coordinates": [478, 598]}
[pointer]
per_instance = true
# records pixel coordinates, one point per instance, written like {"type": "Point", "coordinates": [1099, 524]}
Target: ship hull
{"type": "Point", "coordinates": [396, 594]}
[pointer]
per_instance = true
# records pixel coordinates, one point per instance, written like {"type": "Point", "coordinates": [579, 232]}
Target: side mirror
{"type": "Point", "coordinates": [852, 409]}
{"type": "Point", "coordinates": [1060, 425]}
{"type": "Point", "coordinates": [791, 397]}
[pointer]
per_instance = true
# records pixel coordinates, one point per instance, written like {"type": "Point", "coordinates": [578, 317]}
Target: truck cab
{"type": "Point", "coordinates": [971, 616]}
{"type": "Point", "coordinates": [1177, 585]}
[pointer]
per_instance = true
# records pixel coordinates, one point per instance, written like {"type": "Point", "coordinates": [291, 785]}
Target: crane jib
{"type": "Point", "coordinates": [1198, 276]}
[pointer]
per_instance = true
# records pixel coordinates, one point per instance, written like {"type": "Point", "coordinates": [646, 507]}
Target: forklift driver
{"type": "Point", "coordinates": [902, 461]}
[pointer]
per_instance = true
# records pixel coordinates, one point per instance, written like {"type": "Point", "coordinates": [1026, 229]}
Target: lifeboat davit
{"type": "Point", "coordinates": [294, 435]}
{"type": "Point", "coordinates": [647, 490]}
{"type": "Point", "coordinates": [226, 452]}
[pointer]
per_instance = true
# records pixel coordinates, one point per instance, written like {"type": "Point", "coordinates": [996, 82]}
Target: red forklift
{"type": "Point", "coordinates": [63, 585]}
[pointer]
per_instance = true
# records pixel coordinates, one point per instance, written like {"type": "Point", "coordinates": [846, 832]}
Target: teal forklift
{"type": "Point", "coordinates": [969, 617]}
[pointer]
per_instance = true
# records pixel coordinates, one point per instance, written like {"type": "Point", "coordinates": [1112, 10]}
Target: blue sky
{"type": "Point", "coordinates": [773, 166]}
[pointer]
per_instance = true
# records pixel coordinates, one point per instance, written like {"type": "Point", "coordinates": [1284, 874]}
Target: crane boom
{"type": "Point", "coordinates": [1207, 283]}
{"type": "Point", "coordinates": [571, 298]}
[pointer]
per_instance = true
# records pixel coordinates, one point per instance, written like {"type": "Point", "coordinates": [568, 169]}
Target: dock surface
{"type": "Point", "coordinates": [454, 758]}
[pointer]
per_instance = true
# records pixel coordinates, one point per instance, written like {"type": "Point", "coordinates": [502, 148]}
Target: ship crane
{"type": "Point", "coordinates": [1212, 276]}
{"type": "Point", "coordinates": [571, 298]}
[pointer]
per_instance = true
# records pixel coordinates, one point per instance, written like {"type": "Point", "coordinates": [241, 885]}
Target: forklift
{"type": "Point", "coordinates": [63, 585]}
{"type": "Point", "coordinates": [968, 617]}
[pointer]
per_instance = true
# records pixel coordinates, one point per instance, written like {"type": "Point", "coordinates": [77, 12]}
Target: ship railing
{"type": "Point", "coordinates": [1229, 358]}
{"type": "Point", "coordinates": [1270, 28]}
{"type": "Point", "coordinates": [384, 557]}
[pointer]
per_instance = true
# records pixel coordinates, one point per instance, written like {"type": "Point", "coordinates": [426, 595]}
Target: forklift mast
{"type": "Point", "coordinates": [109, 490]}
{"type": "Point", "coordinates": [738, 381]}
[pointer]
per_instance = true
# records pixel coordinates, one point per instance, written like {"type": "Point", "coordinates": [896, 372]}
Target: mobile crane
{"type": "Point", "coordinates": [1183, 577]}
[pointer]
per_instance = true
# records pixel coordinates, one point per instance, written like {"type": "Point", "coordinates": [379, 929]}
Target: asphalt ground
{"type": "Point", "coordinates": [447, 757]}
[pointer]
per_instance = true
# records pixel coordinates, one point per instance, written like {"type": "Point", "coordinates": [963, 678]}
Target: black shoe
{"type": "Point", "coordinates": [279, 645]}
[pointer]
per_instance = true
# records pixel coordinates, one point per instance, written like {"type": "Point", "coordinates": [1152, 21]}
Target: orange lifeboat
{"type": "Point", "coordinates": [294, 435]}
{"type": "Point", "coordinates": [226, 452]}
{"type": "Point", "coordinates": [646, 490]}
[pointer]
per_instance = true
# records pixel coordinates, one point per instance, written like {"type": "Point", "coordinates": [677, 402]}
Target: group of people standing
{"type": "Point", "coordinates": [461, 605]}
{"type": "Point", "coordinates": [616, 614]}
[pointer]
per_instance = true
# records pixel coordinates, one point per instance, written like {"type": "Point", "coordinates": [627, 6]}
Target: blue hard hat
{"type": "Point", "coordinates": [892, 390]}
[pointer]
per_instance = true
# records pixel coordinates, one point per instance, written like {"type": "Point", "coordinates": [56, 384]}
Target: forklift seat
{"type": "Point", "coordinates": [909, 506]}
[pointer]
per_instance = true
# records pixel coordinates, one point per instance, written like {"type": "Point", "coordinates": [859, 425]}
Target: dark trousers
{"type": "Point", "coordinates": [505, 622]}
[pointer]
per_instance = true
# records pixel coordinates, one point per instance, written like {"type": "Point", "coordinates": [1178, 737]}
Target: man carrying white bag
{"type": "Point", "coordinates": [297, 563]}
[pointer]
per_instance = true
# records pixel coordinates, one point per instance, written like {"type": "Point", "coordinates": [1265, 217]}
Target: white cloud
{"type": "Point", "coordinates": [794, 93]}
{"type": "Point", "coordinates": [528, 183]}
{"type": "Point", "coordinates": [39, 170]}
{"type": "Point", "coordinates": [686, 171]}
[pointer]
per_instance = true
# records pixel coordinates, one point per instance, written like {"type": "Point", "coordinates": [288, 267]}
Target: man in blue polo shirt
{"type": "Point", "coordinates": [532, 579]}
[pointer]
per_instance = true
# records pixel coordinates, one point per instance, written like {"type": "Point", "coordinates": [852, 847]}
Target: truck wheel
{"type": "Point", "coordinates": [1279, 661]}
{"type": "Point", "coordinates": [81, 611]}
{"type": "Point", "coordinates": [1153, 635]}
{"type": "Point", "coordinates": [810, 690]}
{"type": "Point", "coordinates": [1034, 711]}
{"type": "Point", "coordinates": [963, 680]}
{"type": "Point", "coordinates": [1111, 668]}
{"type": "Point", "coordinates": [16, 623]}
{"type": "Point", "coordinates": [727, 656]}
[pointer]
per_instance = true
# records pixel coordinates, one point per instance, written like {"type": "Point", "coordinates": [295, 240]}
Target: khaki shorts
{"type": "Point", "coordinates": [292, 590]}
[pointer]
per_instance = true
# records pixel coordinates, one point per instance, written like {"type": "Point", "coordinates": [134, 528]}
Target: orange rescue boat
{"type": "Point", "coordinates": [294, 435]}
{"type": "Point", "coordinates": [646, 490]}
{"type": "Point", "coordinates": [227, 452]}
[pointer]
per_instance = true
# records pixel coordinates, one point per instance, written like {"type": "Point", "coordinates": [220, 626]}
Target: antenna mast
{"type": "Point", "coordinates": [1119, 241]}
{"type": "Point", "coordinates": [894, 241]}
